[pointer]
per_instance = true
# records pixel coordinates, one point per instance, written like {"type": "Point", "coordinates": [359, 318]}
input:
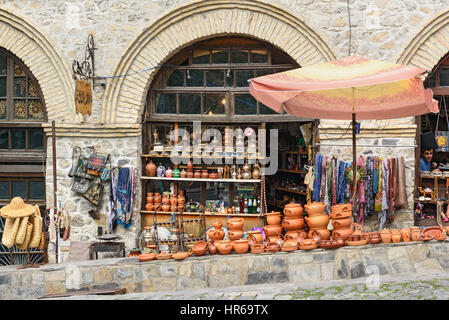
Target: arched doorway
{"type": "Point", "coordinates": [22, 145]}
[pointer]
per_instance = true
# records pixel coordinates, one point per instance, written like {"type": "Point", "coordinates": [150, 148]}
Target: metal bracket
{"type": "Point", "coordinates": [86, 69]}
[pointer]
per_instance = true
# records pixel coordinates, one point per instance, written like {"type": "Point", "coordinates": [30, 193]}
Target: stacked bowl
{"type": "Point", "coordinates": [293, 222]}
{"type": "Point", "coordinates": [235, 227]}
{"type": "Point", "coordinates": [341, 221]}
{"type": "Point", "coordinates": [273, 229]}
{"type": "Point", "coordinates": [317, 219]}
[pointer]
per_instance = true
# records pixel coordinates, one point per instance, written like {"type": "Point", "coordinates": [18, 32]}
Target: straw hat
{"type": "Point", "coordinates": [10, 232]}
{"type": "Point", "coordinates": [17, 209]}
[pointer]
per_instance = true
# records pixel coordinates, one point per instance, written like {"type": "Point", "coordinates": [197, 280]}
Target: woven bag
{"type": "Point", "coordinates": [42, 242]}
{"type": "Point", "coordinates": [10, 231]}
{"type": "Point", "coordinates": [27, 239]}
{"type": "Point", "coordinates": [21, 233]}
{"type": "Point", "coordinates": [37, 229]}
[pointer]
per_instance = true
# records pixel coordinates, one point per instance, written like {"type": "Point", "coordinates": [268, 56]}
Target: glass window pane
{"type": "Point", "coordinates": [243, 76]}
{"type": "Point", "coordinates": [35, 109]}
{"type": "Point", "coordinates": [190, 103]}
{"type": "Point", "coordinates": [259, 56]}
{"type": "Point", "coordinates": [37, 190]}
{"type": "Point", "coordinates": [32, 91]}
{"type": "Point", "coordinates": [263, 72]}
{"type": "Point", "coordinates": [20, 88]}
{"type": "Point", "coordinates": [444, 77]}
{"type": "Point", "coordinates": [195, 78]}
{"type": "Point", "coordinates": [4, 141]}
{"type": "Point", "coordinates": [2, 109]}
{"type": "Point", "coordinates": [19, 189]}
{"type": "Point", "coordinates": [18, 139]}
{"type": "Point", "coordinates": [214, 104]}
{"type": "Point", "coordinates": [215, 78]}
{"type": "Point", "coordinates": [245, 104]}
{"type": "Point", "coordinates": [263, 109]}
{"type": "Point", "coordinates": [230, 78]}
{"type": "Point", "coordinates": [35, 139]}
{"type": "Point", "coordinates": [4, 190]}
{"type": "Point", "coordinates": [239, 56]}
{"type": "Point", "coordinates": [2, 64]}
{"type": "Point", "coordinates": [165, 102]}
{"type": "Point", "coordinates": [18, 70]}
{"type": "Point", "coordinates": [20, 109]}
{"type": "Point", "coordinates": [201, 56]}
{"type": "Point", "coordinates": [431, 81]}
{"type": "Point", "coordinates": [219, 56]}
{"type": "Point", "coordinates": [2, 86]}
{"type": "Point", "coordinates": [175, 78]}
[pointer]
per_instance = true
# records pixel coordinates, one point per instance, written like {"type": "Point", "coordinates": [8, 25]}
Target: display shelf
{"type": "Point", "coordinates": [430, 201]}
{"type": "Point", "coordinates": [294, 152]}
{"type": "Point", "coordinates": [201, 213]}
{"type": "Point", "coordinates": [432, 176]}
{"type": "Point", "coordinates": [202, 180]}
{"type": "Point", "coordinates": [293, 171]}
{"type": "Point", "coordinates": [203, 157]}
{"type": "Point", "coordinates": [291, 191]}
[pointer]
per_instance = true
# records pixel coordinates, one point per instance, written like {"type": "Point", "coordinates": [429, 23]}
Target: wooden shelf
{"type": "Point", "coordinates": [294, 152]}
{"type": "Point", "coordinates": [203, 180]}
{"type": "Point", "coordinates": [291, 191]}
{"type": "Point", "coordinates": [432, 176]}
{"type": "Point", "coordinates": [206, 214]}
{"type": "Point", "coordinates": [202, 157]}
{"type": "Point", "coordinates": [430, 201]}
{"type": "Point", "coordinates": [293, 171]}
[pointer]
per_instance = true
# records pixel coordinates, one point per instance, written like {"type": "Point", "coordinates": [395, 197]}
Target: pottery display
{"type": "Point", "coordinates": [235, 234]}
{"type": "Point", "coordinates": [150, 169]}
{"type": "Point", "coordinates": [293, 210]}
{"type": "Point", "coordinates": [224, 246]}
{"type": "Point", "coordinates": [385, 235]}
{"type": "Point", "coordinates": [235, 223]}
{"type": "Point", "coordinates": [343, 223]}
{"type": "Point", "coordinates": [315, 208]}
{"type": "Point", "coordinates": [144, 257]}
{"type": "Point", "coordinates": [273, 218]}
{"type": "Point", "coordinates": [181, 255]}
{"type": "Point", "coordinates": [211, 247]}
{"type": "Point", "coordinates": [241, 246]}
{"type": "Point", "coordinates": [289, 223]}
{"type": "Point", "coordinates": [199, 248]}
{"type": "Point", "coordinates": [405, 235]}
{"type": "Point", "coordinates": [272, 230]}
{"type": "Point", "coordinates": [216, 234]}
{"type": "Point", "coordinates": [257, 235]}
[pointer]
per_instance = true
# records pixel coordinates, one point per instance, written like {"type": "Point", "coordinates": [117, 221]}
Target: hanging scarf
{"type": "Point", "coordinates": [317, 180]}
{"type": "Point", "coordinates": [124, 195]}
{"type": "Point", "coordinates": [334, 181]}
{"type": "Point", "coordinates": [112, 216]}
{"type": "Point", "coordinates": [375, 175]}
{"type": "Point", "coordinates": [401, 196]}
{"type": "Point", "coordinates": [369, 196]}
{"type": "Point", "coordinates": [323, 178]}
{"type": "Point", "coordinates": [361, 193]}
{"type": "Point", "coordinates": [341, 182]}
{"type": "Point", "coordinates": [379, 193]}
{"type": "Point", "coordinates": [382, 215]}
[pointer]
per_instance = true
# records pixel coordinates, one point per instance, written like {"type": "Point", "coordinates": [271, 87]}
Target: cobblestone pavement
{"type": "Point", "coordinates": [407, 287]}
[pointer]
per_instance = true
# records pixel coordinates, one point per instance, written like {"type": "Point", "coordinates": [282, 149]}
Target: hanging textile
{"type": "Point", "coordinates": [341, 189]}
{"type": "Point", "coordinates": [124, 195]}
{"type": "Point", "coordinates": [334, 181]}
{"type": "Point", "coordinates": [317, 180]}
{"type": "Point", "coordinates": [401, 195]}
{"type": "Point", "coordinates": [323, 178]}
{"type": "Point", "coordinates": [380, 185]}
{"type": "Point", "coordinates": [369, 195]}
{"type": "Point", "coordinates": [112, 216]}
{"type": "Point", "coordinates": [361, 193]}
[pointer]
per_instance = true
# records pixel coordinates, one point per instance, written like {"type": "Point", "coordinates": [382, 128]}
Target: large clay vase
{"type": "Point", "coordinates": [181, 198]}
{"type": "Point", "coordinates": [385, 235]}
{"type": "Point", "coordinates": [415, 234]}
{"type": "Point", "coordinates": [215, 234]}
{"type": "Point", "coordinates": [315, 208]}
{"type": "Point", "coordinates": [290, 224]}
{"type": "Point", "coordinates": [274, 218]}
{"type": "Point", "coordinates": [224, 246]}
{"type": "Point", "coordinates": [293, 210]}
{"type": "Point", "coordinates": [150, 169]}
{"type": "Point", "coordinates": [405, 235]}
{"type": "Point", "coordinates": [257, 235]}
{"type": "Point", "coordinates": [235, 223]}
{"type": "Point", "coordinates": [241, 246]}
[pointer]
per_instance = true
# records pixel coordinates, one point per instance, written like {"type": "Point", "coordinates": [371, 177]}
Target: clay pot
{"type": "Point", "coordinates": [181, 198]}
{"type": "Point", "coordinates": [405, 235]}
{"type": "Point", "coordinates": [292, 223]}
{"type": "Point", "coordinates": [324, 233]}
{"type": "Point", "coordinates": [197, 174]}
{"type": "Point", "coordinates": [235, 234]}
{"type": "Point", "coordinates": [415, 235]}
{"type": "Point", "coordinates": [169, 173]}
{"type": "Point", "coordinates": [385, 235]}
{"type": "Point", "coordinates": [180, 208]}
{"type": "Point", "coordinates": [241, 246]}
{"type": "Point", "coordinates": [174, 200]}
{"type": "Point", "coordinates": [165, 199]}
{"type": "Point", "coordinates": [144, 257]}
{"type": "Point", "coordinates": [396, 237]}
{"type": "Point", "coordinates": [340, 215]}
{"type": "Point", "coordinates": [235, 223]}
{"type": "Point", "coordinates": [149, 197]}
{"type": "Point", "coordinates": [341, 207]}
{"type": "Point", "coordinates": [213, 175]}
{"type": "Point", "coordinates": [164, 255]}
{"type": "Point", "coordinates": [293, 210]}
{"type": "Point", "coordinates": [277, 239]}
{"type": "Point", "coordinates": [205, 174]}
{"type": "Point", "coordinates": [298, 235]}
{"type": "Point", "coordinates": [272, 230]}
{"type": "Point", "coordinates": [224, 246]}
{"type": "Point", "coordinates": [272, 246]}
{"type": "Point", "coordinates": [251, 239]}
{"type": "Point", "coordinates": [342, 234]}
{"type": "Point", "coordinates": [216, 234]}
{"type": "Point", "coordinates": [149, 207]}
{"type": "Point", "coordinates": [315, 208]}
{"type": "Point", "coordinates": [341, 223]}
{"type": "Point", "coordinates": [190, 174]}
{"type": "Point", "coordinates": [211, 247]}
{"type": "Point", "coordinates": [257, 235]}
{"type": "Point", "coordinates": [181, 255]}
{"type": "Point", "coordinates": [183, 174]}
{"type": "Point", "coordinates": [157, 198]}
{"type": "Point", "coordinates": [317, 221]}
{"type": "Point", "coordinates": [166, 207]}
{"type": "Point", "coordinates": [274, 218]}
{"type": "Point", "coordinates": [199, 248]}
{"type": "Point", "coordinates": [217, 224]}
{"type": "Point", "coordinates": [150, 169]}
{"type": "Point", "coordinates": [257, 248]}
{"type": "Point", "coordinates": [190, 165]}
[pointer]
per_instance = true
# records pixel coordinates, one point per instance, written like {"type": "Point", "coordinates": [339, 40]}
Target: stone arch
{"type": "Point", "coordinates": [125, 96]}
{"type": "Point", "coordinates": [33, 48]}
{"type": "Point", "coordinates": [430, 43]}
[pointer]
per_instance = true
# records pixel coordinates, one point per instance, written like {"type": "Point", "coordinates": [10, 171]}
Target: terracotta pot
{"type": "Point", "coordinates": [190, 174]}
{"type": "Point", "coordinates": [292, 223]}
{"type": "Point", "coordinates": [190, 165]}
{"type": "Point", "coordinates": [341, 207]}
{"type": "Point", "coordinates": [251, 239]}
{"type": "Point", "coordinates": [181, 255]}
{"type": "Point", "coordinates": [317, 221]}
{"type": "Point", "coordinates": [197, 174]}
{"type": "Point", "coordinates": [224, 246]}
{"type": "Point", "coordinates": [150, 169]}
{"type": "Point", "coordinates": [166, 207]}
{"type": "Point", "coordinates": [144, 257]}
{"type": "Point", "coordinates": [157, 198]}
{"type": "Point", "coordinates": [217, 224]}
{"type": "Point", "coordinates": [169, 173]}
{"type": "Point", "coordinates": [211, 247]}
{"type": "Point", "coordinates": [396, 237]}
{"type": "Point", "coordinates": [308, 242]}
{"type": "Point", "coordinates": [257, 248]}
{"type": "Point", "coordinates": [165, 199]}
{"type": "Point", "coordinates": [315, 208]}
{"type": "Point", "coordinates": [235, 223]}
{"type": "Point", "coordinates": [324, 233]}
{"type": "Point", "coordinates": [181, 198]}
{"type": "Point", "coordinates": [276, 239]}
{"type": "Point", "coordinates": [257, 235]}
{"type": "Point", "coordinates": [241, 246]}
{"type": "Point", "coordinates": [216, 234]}
{"type": "Point", "coordinates": [272, 230]}
{"type": "Point", "coordinates": [342, 234]}
{"type": "Point", "coordinates": [342, 223]}
{"type": "Point", "coordinates": [405, 235]}
{"type": "Point", "coordinates": [174, 200]}
{"type": "Point", "coordinates": [415, 235]}
{"type": "Point", "coordinates": [205, 174]}
{"type": "Point", "coordinates": [149, 207]}
{"type": "Point", "coordinates": [341, 215]}
{"type": "Point", "coordinates": [274, 218]}
{"type": "Point", "coordinates": [199, 248]}
{"type": "Point", "coordinates": [272, 246]}
{"type": "Point", "coordinates": [235, 234]}
{"type": "Point", "coordinates": [183, 174]}
{"type": "Point", "coordinates": [293, 210]}
{"type": "Point", "coordinates": [164, 256]}
{"type": "Point", "coordinates": [149, 198]}
{"type": "Point", "coordinates": [298, 235]}
{"type": "Point", "coordinates": [385, 236]}
{"type": "Point", "coordinates": [213, 175]}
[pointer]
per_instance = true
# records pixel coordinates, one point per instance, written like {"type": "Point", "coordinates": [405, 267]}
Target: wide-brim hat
{"type": "Point", "coordinates": [17, 209]}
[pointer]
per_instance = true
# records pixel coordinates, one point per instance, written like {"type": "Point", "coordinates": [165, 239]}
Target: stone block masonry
{"type": "Point", "coordinates": [219, 271]}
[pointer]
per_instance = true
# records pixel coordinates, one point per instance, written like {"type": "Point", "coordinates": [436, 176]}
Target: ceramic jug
{"type": "Point", "coordinates": [150, 169]}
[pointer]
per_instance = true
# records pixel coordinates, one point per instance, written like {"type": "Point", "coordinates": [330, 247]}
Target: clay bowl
{"type": "Point", "coordinates": [341, 223]}
{"type": "Point", "coordinates": [341, 207]}
{"type": "Point", "coordinates": [164, 256]}
{"type": "Point", "coordinates": [324, 233]}
{"type": "Point", "coordinates": [356, 242]}
{"type": "Point", "coordinates": [293, 210]}
{"type": "Point", "coordinates": [256, 234]}
{"type": "Point", "coordinates": [235, 223]}
{"type": "Point", "coordinates": [199, 248]}
{"type": "Point", "coordinates": [241, 246]}
{"type": "Point", "coordinates": [374, 240]}
{"type": "Point", "coordinates": [440, 237]}
{"type": "Point", "coordinates": [342, 234]}
{"type": "Point", "coordinates": [181, 255]}
{"type": "Point", "coordinates": [144, 257]}
{"type": "Point", "coordinates": [318, 221]}
{"type": "Point", "coordinates": [432, 231]}
{"type": "Point", "coordinates": [341, 214]}
{"type": "Point", "coordinates": [235, 234]}
{"type": "Point", "coordinates": [274, 218]}
{"type": "Point", "coordinates": [315, 208]}
{"type": "Point", "coordinates": [257, 248]}
{"type": "Point", "coordinates": [289, 248]}
{"type": "Point", "coordinates": [272, 230]}
{"type": "Point", "coordinates": [224, 247]}
{"type": "Point", "coordinates": [214, 234]}
{"type": "Point", "coordinates": [292, 223]}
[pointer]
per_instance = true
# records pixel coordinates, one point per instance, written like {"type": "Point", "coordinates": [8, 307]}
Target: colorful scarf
{"type": "Point", "coordinates": [124, 196]}
{"type": "Point", "coordinates": [317, 178]}
{"type": "Point", "coordinates": [369, 196]}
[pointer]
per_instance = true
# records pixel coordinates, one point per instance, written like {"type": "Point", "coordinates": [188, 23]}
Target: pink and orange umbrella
{"type": "Point", "coordinates": [352, 88]}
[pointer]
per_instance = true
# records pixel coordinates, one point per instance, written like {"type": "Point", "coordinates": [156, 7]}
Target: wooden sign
{"type": "Point", "coordinates": [83, 97]}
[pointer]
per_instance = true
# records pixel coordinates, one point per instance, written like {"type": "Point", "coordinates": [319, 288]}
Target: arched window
{"type": "Point", "coordinates": [22, 143]}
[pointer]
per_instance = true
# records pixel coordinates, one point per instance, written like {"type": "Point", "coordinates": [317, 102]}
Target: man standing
{"type": "Point", "coordinates": [426, 160]}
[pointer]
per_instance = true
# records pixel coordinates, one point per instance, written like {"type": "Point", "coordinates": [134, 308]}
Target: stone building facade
{"type": "Point", "coordinates": [131, 36]}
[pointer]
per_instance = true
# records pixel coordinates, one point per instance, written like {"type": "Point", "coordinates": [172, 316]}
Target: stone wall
{"type": "Point", "coordinates": [225, 271]}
